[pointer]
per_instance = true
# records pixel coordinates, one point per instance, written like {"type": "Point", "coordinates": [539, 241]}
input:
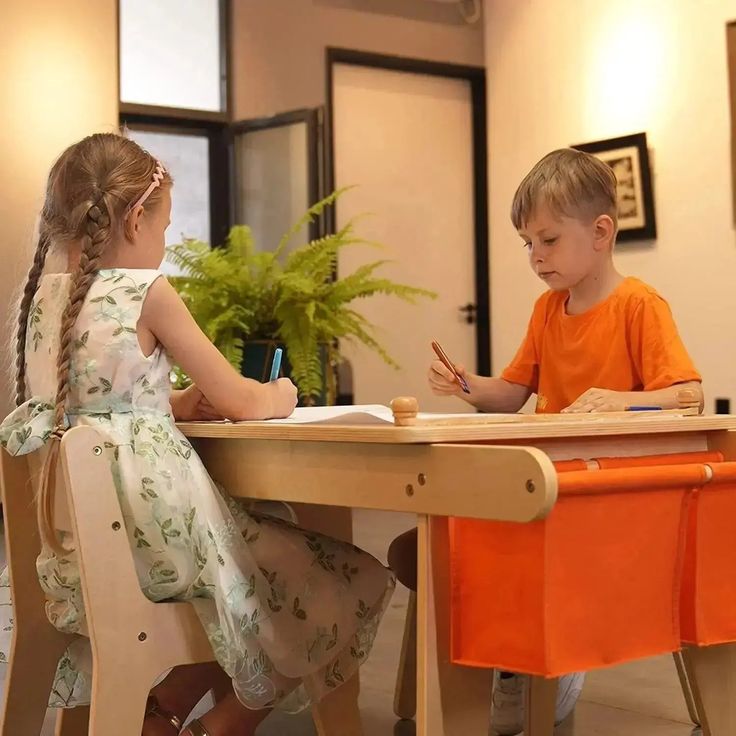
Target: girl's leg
{"type": "Point", "coordinates": [229, 718]}
{"type": "Point", "coordinates": [180, 692]}
{"type": "Point", "coordinates": [402, 558]}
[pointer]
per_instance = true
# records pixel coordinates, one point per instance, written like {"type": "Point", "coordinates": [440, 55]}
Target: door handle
{"type": "Point", "coordinates": [469, 311]}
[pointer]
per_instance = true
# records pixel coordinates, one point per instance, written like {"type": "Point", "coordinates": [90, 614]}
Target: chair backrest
{"type": "Point", "coordinates": [97, 505]}
{"type": "Point", "coordinates": [100, 537]}
{"type": "Point", "coordinates": [21, 532]}
{"type": "Point", "coordinates": [114, 601]}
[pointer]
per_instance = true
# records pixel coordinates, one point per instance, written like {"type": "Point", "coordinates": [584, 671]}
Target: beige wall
{"type": "Point", "coordinates": [279, 45]}
{"type": "Point", "coordinates": [58, 82]}
{"type": "Point", "coordinates": [571, 71]}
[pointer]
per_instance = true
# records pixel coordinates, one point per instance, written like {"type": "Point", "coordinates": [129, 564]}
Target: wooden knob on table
{"type": "Point", "coordinates": [405, 409]}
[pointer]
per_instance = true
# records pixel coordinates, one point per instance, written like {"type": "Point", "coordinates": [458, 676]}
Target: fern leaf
{"type": "Point", "coordinates": [309, 216]}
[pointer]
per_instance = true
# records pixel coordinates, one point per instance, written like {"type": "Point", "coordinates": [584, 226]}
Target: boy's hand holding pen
{"type": "Point", "coordinates": [445, 377]}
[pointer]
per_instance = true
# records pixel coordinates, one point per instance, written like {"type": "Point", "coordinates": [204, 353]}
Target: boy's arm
{"type": "Point", "coordinates": [507, 393]}
{"type": "Point", "coordinates": [495, 394]}
{"type": "Point", "coordinates": [600, 399]}
{"type": "Point", "coordinates": [486, 394]}
{"type": "Point", "coordinates": [661, 360]}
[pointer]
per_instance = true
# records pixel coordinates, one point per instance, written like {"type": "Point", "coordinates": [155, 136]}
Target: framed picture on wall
{"type": "Point", "coordinates": [628, 156]}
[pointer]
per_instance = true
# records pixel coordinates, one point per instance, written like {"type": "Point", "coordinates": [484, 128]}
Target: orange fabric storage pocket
{"type": "Point", "coordinates": [594, 584]}
{"type": "Point", "coordinates": [709, 581]}
{"type": "Point", "coordinates": [708, 592]}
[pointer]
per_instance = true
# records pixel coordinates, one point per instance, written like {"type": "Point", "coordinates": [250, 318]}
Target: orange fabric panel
{"type": "Point", "coordinates": [709, 577]}
{"type": "Point", "coordinates": [708, 590]}
{"type": "Point", "coordinates": [594, 584]}
{"type": "Point", "coordinates": [688, 586]}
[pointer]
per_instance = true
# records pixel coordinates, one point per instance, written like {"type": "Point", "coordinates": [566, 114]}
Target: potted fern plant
{"type": "Point", "coordinates": [248, 301]}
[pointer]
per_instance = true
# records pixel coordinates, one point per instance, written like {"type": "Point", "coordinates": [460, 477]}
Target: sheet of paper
{"type": "Point", "coordinates": [368, 414]}
{"type": "Point", "coordinates": [362, 414]}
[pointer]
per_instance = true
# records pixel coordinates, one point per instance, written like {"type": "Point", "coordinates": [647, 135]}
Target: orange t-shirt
{"type": "Point", "coordinates": [628, 342]}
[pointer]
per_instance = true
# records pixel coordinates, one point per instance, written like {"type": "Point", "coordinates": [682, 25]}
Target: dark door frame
{"type": "Point", "coordinates": [313, 117]}
{"type": "Point", "coordinates": [476, 76]}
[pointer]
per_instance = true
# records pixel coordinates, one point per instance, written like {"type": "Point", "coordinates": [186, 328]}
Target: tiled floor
{"type": "Point", "coordinates": [640, 699]}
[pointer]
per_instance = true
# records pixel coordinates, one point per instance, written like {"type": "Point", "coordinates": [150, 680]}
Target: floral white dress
{"type": "Point", "coordinates": [290, 614]}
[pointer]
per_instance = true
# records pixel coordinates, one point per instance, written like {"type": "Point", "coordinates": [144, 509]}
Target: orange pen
{"type": "Point", "coordinates": [442, 355]}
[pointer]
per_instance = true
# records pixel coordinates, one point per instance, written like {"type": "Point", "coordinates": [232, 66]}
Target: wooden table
{"type": "Point", "coordinates": [437, 471]}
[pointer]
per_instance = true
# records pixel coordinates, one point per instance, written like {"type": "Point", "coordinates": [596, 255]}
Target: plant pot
{"type": "Point", "coordinates": [257, 360]}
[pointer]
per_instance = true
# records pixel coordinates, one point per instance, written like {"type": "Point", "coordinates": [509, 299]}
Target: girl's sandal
{"type": "Point", "coordinates": [195, 728]}
{"type": "Point", "coordinates": [154, 709]}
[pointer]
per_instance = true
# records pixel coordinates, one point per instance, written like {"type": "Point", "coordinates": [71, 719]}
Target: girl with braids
{"type": "Point", "coordinates": [290, 614]}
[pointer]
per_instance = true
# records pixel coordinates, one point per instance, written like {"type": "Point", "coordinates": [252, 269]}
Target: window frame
{"type": "Point", "coordinates": [183, 113]}
{"type": "Point", "coordinates": [219, 137]}
{"type": "Point", "coordinates": [313, 118]}
{"type": "Point", "coordinates": [214, 125]}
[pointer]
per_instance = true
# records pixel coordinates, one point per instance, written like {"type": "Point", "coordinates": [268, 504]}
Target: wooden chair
{"type": "Point", "coordinates": [133, 639]}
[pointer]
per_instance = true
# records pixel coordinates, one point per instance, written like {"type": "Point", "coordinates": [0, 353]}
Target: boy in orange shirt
{"type": "Point", "coordinates": [597, 341]}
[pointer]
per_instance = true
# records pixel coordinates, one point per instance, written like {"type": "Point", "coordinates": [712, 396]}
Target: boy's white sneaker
{"type": "Point", "coordinates": [507, 705]}
{"type": "Point", "coordinates": [507, 710]}
{"type": "Point", "coordinates": [568, 693]}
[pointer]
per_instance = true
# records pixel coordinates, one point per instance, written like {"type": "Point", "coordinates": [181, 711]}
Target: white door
{"type": "Point", "coordinates": [405, 141]}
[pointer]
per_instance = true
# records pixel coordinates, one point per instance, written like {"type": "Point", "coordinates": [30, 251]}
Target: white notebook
{"type": "Point", "coordinates": [351, 415]}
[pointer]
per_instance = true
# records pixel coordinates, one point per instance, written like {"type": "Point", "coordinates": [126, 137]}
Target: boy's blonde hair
{"type": "Point", "coordinates": [570, 183]}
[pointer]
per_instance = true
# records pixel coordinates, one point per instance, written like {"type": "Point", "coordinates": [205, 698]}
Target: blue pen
{"type": "Point", "coordinates": [276, 365]}
{"type": "Point", "coordinates": [643, 408]}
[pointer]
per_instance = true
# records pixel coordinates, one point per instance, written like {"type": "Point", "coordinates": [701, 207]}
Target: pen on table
{"type": "Point", "coordinates": [442, 355]}
{"type": "Point", "coordinates": [643, 408]}
{"type": "Point", "coordinates": [276, 365]}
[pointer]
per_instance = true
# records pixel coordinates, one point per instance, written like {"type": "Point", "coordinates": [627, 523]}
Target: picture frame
{"type": "Point", "coordinates": [628, 156]}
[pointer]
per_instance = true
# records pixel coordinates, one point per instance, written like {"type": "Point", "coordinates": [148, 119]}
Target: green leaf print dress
{"type": "Point", "coordinates": [291, 614]}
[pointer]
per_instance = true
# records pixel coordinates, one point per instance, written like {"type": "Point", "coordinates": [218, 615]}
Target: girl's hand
{"type": "Point", "coordinates": [191, 405]}
{"type": "Point", "coordinates": [600, 399]}
{"type": "Point", "coordinates": [442, 382]}
{"type": "Point", "coordinates": [284, 398]}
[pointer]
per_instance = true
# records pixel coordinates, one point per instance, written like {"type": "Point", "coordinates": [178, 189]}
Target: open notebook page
{"type": "Point", "coordinates": [360, 414]}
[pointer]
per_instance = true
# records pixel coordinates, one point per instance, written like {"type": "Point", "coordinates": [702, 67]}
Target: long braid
{"type": "Point", "coordinates": [98, 231]}
{"type": "Point", "coordinates": [88, 201]}
{"type": "Point", "coordinates": [98, 236]}
{"type": "Point", "coordinates": [34, 276]}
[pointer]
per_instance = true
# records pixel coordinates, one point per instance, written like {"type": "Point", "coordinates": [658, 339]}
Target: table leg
{"type": "Point", "coordinates": [712, 675]}
{"type": "Point", "coordinates": [451, 700]}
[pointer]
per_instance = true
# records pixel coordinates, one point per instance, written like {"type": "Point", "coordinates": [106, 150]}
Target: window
{"type": "Point", "coordinates": [174, 102]}
{"type": "Point", "coordinates": [277, 175]}
{"type": "Point", "coordinates": [171, 54]}
{"type": "Point", "coordinates": [272, 182]}
{"type": "Point", "coordinates": [186, 156]}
